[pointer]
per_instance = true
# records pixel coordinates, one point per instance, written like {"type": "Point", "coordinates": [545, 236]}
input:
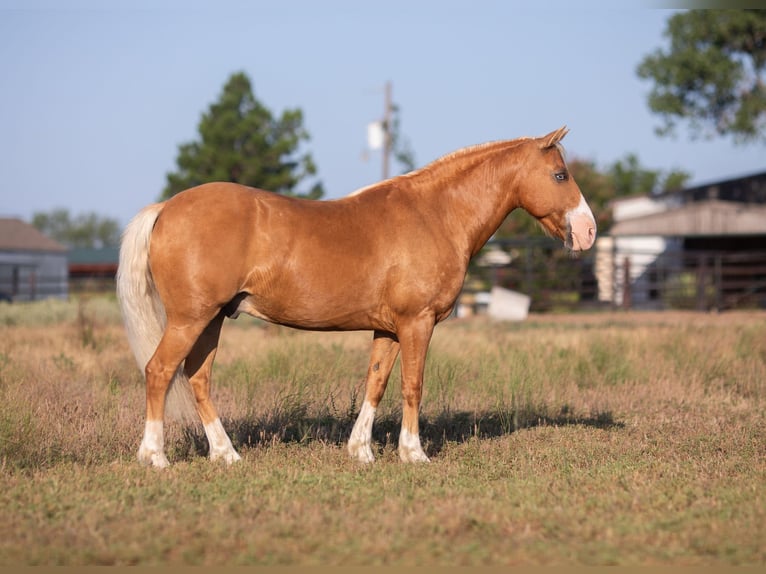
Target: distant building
{"type": "Point", "coordinates": [709, 240]}
{"type": "Point", "coordinates": [93, 269]}
{"type": "Point", "coordinates": [32, 266]}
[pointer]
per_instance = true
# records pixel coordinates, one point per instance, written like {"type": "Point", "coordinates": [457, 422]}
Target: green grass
{"type": "Point", "coordinates": [629, 439]}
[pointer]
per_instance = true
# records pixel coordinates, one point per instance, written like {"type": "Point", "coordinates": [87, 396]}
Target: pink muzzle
{"type": "Point", "coordinates": [581, 226]}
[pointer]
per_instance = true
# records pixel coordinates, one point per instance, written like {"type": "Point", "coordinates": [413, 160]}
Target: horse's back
{"type": "Point", "coordinates": [291, 256]}
{"type": "Point", "coordinates": [351, 263]}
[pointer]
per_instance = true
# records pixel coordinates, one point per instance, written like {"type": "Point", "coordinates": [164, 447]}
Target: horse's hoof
{"type": "Point", "coordinates": [155, 459]}
{"type": "Point", "coordinates": [361, 452]}
{"type": "Point", "coordinates": [229, 457]}
{"type": "Point", "coordinates": [407, 455]}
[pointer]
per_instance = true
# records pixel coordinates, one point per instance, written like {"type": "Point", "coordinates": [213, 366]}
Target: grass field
{"type": "Point", "coordinates": [594, 439]}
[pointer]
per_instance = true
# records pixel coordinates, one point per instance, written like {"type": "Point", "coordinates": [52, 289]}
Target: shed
{"type": "Point", "coordinates": [706, 244]}
{"type": "Point", "coordinates": [705, 218]}
{"type": "Point", "coordinates": [93, 268]}
{"type": "Point", "coordinates": [32, 265]}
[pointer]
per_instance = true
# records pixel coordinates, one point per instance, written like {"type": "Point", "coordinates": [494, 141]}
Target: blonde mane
{"type": "Point", "coordinates": [446, 159]}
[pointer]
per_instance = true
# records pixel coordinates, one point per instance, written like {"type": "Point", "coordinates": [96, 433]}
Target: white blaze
{"type": "Point", "coordinates": [582, 227]}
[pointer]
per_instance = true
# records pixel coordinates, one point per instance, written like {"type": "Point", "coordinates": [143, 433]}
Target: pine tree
{"type": "Point", "coordinates": [242, 142]}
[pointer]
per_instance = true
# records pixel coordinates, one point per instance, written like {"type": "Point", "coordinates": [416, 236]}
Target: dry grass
{"type": "Point", "coordinates": [574, 439]}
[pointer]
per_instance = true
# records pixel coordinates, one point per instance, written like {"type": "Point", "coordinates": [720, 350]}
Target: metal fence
{"type": "Point", "coordinates": [31, 286]}
{"type": "Point", "coordinates": [699, 280]}
{"type": "Point", "coordinates": [96, 284]}
{"type": "Point", "coordinates": [671, 278]}
{"type": "Point", "coordinates": [555, 279]}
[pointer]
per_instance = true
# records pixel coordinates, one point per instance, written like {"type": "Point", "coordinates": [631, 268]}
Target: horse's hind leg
{"type": "Point", "coordinates": [385, 348]}
{"type": "Point", "coordinates": [198, 367]}
{"type": "Point", "coordinates": [175, 345]}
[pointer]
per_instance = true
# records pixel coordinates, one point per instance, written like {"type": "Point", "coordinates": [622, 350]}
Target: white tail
{"type": "Point", "coordinates": [142, 309]}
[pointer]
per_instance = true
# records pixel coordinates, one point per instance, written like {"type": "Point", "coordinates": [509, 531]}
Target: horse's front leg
{"type": "Point", "coordinates": [414, 337]}
{"type": "Point", "coordinates": [385, 348]}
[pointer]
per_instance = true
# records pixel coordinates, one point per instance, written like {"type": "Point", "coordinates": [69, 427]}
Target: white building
{"type": "Point", "coordinates": [657, 239]}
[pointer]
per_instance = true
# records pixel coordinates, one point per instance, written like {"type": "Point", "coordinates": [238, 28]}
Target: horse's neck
{"type": "Point", "coordinates": [475, 192]}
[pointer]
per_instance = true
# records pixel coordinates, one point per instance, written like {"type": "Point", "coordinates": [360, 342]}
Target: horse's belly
{"type": "Point", "coordinates": [313, 313]}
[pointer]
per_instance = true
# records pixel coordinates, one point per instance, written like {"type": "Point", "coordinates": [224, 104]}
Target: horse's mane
{"type": "Point", "coordinates": [462, 153]}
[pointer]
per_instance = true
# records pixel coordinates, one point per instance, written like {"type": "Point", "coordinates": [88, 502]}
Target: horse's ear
{"type": "Point", "coordinates": [553, 138]}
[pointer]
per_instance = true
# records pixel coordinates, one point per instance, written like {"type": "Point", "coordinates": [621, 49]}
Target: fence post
{"type": "Point", "coordinates": [528, 280]}
{"type": "Point", "coordinates": [15, 282]}
{"type": "Point", "coordinates": [33, 285]}
{"type": "Point", "coordinates": [701, 280]}
{"type": "Point", "coordinates": [626, 287]}
{"type": "Point", "coordinates": [718, 279]}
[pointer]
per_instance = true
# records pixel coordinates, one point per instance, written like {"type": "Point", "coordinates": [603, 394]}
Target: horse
{"type": "Point", "coordinates": [390, 258]}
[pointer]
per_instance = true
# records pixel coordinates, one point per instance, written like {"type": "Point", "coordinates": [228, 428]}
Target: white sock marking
{"type": "Point", "coordinates": [409, 447]}
{"type": "Point", "coordinates": [220, 444]}
{"type": "Point", "coordinates": [151, 451]}
{"type": "Point", "coordinates": [359, 443]}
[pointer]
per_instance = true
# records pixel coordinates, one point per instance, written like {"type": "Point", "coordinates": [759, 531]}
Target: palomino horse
{"type": "Point", "coordinates": [390, 258]}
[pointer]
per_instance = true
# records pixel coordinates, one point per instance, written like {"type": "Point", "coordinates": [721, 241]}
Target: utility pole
{"type": "Point", "coordinates": [387, 113]}
{"type": "Point", "coordinates": [379, 133]}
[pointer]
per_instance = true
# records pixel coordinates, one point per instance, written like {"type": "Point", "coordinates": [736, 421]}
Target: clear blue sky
{"type": "Point", "coordinates": [95, 97]}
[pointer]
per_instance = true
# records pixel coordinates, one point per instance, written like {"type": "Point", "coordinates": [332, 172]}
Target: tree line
{"type": "Point", "coordinates": [710, 77]}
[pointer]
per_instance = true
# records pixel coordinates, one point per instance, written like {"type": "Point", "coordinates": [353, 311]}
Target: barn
{"type": "Point", "coordinates": [702, 247]}
{"type": "Point", "coordinates": [32, 266]}
{"type": "Point", "coordinates": [93, 269]}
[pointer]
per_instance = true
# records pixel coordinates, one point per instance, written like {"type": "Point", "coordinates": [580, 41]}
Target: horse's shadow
{"type": "Point", "coordinates": [436, 431]}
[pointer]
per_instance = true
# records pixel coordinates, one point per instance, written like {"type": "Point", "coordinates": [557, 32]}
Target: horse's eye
{"type": "Point", "coordinates": [561, 176]}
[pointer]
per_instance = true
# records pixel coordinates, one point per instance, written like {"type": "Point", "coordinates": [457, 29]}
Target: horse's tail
{"type": "Point", "coordinates": [142, 309]}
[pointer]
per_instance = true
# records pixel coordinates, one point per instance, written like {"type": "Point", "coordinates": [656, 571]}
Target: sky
{"type": "Point", "coordinates": [96, 97]}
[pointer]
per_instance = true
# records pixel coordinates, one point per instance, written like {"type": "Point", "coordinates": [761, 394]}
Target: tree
{"type": "Point", "coordinates": [241, 141]}
{"type": "Point", "coordinates": [624, 178]}
{"type": "Point", "coordinates": [713, 74]}
{"type": "Point", "coordinates": [84, 230]}
{"type": "Point", "coordinates": [628, 177]}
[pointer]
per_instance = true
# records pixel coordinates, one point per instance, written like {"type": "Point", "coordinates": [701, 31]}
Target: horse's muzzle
{"type": "Point", "coordinates": [581, 226]}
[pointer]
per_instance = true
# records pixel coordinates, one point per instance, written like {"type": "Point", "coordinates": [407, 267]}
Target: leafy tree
{"type": "Point", "coordinates": [630, 178]}
{"type": "Point", "coordinates": [241, 141]}
{"type": "Point", "coordinates": [713, 75]}
{"type": "Point", "coordinates": [624, 178]}
{"type": "Point", "coordinates": [84, 230]}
